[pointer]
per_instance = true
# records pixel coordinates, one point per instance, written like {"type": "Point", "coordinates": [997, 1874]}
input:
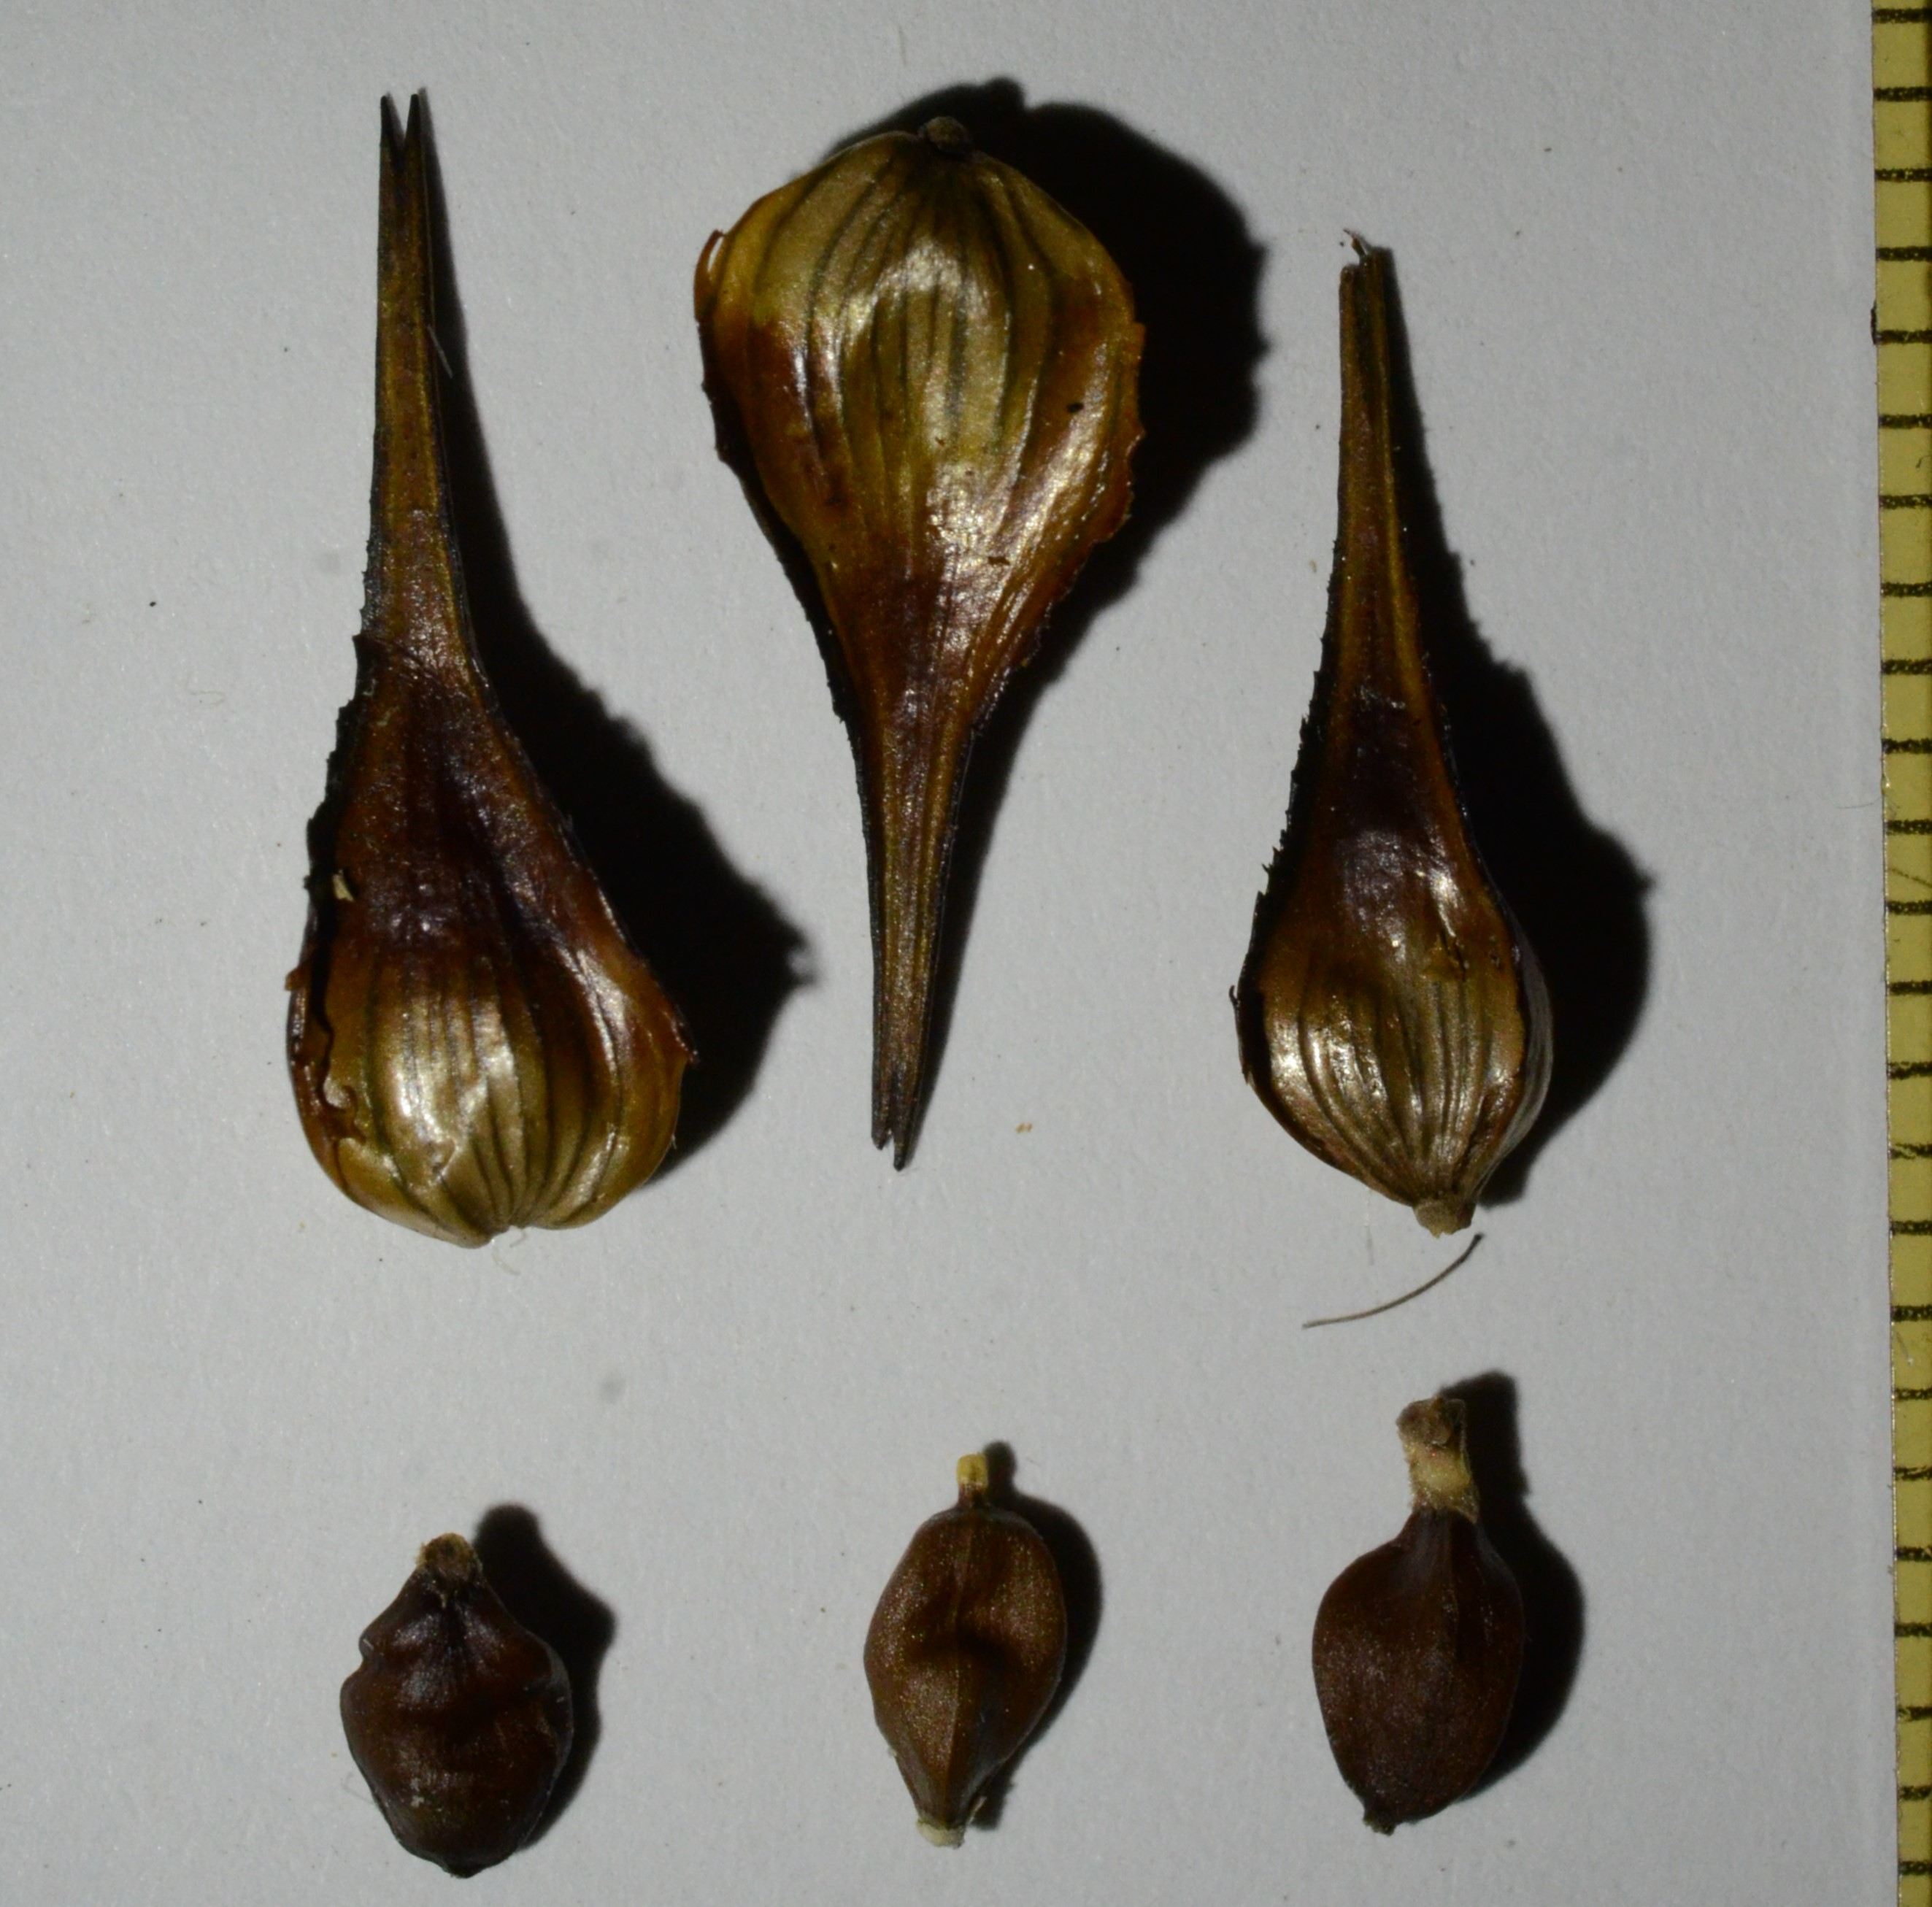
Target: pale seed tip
{"type": "Point", "coordinates": [940, 1835]}
{"type": "Point", "coordinates": [949, 136]}
{"type": "Point", "coordinates": [1433, 1440]}
{"type": "Point", "coordinates": [449, 1561]}
{"type": "Point", "coordinates": [1441, 1216]}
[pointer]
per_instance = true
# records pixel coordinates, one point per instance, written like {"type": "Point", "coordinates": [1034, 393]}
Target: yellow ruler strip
{"type": "Point", "coordinates": [1902, 138]}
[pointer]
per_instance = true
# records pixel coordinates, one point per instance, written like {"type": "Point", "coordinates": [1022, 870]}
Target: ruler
{"type": "Point", "coordinates": [1902, 138]}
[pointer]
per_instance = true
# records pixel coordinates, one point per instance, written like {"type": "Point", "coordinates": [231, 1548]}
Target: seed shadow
{"type": "Point", "coordinates": [726, 955]}
{"type": "Point", "coordinates": [1577, 892]}
{"type": "Point", "coordinates": [1552, 1598]}
{"type": "Point", "coordinates": [551, 1604]}
{"type": "Point", "coordinates": [1183, 245]}
{"type": "Point", "coordinates": [1079, 1570]}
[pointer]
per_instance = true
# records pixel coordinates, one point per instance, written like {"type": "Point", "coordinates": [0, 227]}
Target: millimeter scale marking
{"type": "Point", "coordinates": [1902, 329]}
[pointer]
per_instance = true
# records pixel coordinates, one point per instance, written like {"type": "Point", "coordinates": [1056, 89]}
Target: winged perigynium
{"type": "Point", "coordinates": [1418, 1644]}
{"type": "Point", "coordinates": [964, 1652]}
{"type": "Point", "coordinates": [459, 1718]}
{"type": "Point", "coordinates": [474, 1043]}
{"type": "Point", "coordinates": [1392, 1016]}
{"type": "Point", "coordinates": [925, 372]}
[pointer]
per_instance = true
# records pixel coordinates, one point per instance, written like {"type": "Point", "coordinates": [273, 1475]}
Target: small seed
{"type": "Point", "coordinates": [459, 1718]}
{"type": "Point", "coordinates": [964, 1652]}
{"type": "Point", "coordinates": [1418, 1644]}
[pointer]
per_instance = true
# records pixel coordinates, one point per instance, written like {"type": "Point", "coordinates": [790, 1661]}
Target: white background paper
{"type": "Point", "coordinates": [1633, 244]}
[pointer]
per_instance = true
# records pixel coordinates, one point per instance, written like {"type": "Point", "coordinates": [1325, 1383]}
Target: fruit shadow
{"type": "Point", "coordinates": [1184, 247]}
{"type": "Point", "coordinates": [1577, 892]}
{"type": "Point", "coordinates": [552, 1604]}
{"type": "Point", "coordinates": [1079, 1568]}
{"type": "Point", "coordinates": [1552, 1598]}
{"type": "Point", "coordinates": [727, 956]}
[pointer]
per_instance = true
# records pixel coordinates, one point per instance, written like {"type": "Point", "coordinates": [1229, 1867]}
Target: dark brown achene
{"type": "Point", "coordinates": [459, 1718]}
{"type": "Point", "coordinates": [925, 373]}
{"type": "Point", "coordinates": [1392, 1016]}
{"type": "Point", "coordinates": [1418, 1644]}
{"type": "Point", "coordinates": [964, 1652]}
{"type": "Point", "coordinates": [473, 1042]}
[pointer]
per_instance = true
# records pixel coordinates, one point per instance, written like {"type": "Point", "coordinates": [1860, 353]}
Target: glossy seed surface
{"type": "Point", "coordinates": [1391, 1014]}
{"type": "Point", "coordinates": [925, 372]}
{"type": "Point", "coordinates": [474, 1043]}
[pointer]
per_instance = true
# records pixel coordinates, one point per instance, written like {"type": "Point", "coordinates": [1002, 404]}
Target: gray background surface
{"type": "Point", "coordinates": [1633, 244]}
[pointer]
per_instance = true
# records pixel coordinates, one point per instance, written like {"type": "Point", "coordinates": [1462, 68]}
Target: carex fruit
{"type": "Point", "coordinates": [925, 373]}
{"type": "Point", "coordinates": [1391, 1014]}
{"type": "Point", "coordinates": [964, 1652]}
{"type": "Point", "coordinates": [1418, 1644]}
{"type": "Point", "coordinates": [459, 1718]}
{"type": "Point", "coordinates": [474, 1043]}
